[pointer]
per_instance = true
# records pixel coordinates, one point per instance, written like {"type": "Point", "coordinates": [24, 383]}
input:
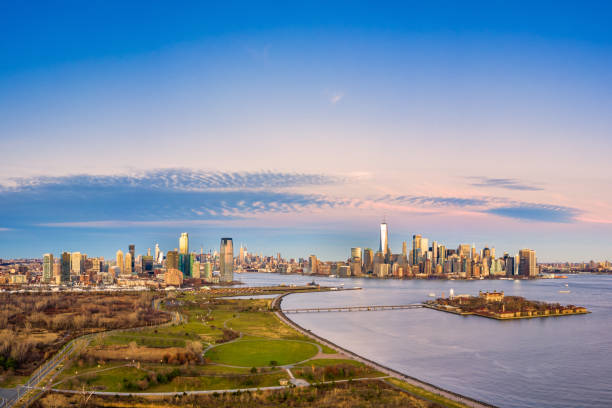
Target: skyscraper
{"type": "Point", "coordinates": [119, 261]}
{"type": "Point", "coordinates": [157, 253]}
{"type": "Point", "coordinates": [527, 263]}
{"type": "Point", "coordinates": [132, 249]}
{"type": "Point", "coordinates": [184, 243]}
{"type": "Point", "coordinates": [241, 256]}
{"type": "Point", "coordinates": [313, 264]}
{"type": "Point", "coordinates": [172, 260]}
{"type": "Point", "coordinates": [65, 268]}
{"type": "Point", "coordinates": [226, 260]}
{"type": "Point", "coordinates": [384, 239]}
{"type": "Point", "coordinates": [416, 247]}
{"type": "Point", "coordinates": [368, 260]}
{"type": "Point", "coordinates": [75, 263]}
{"type": "Point", "coordinates": [355, 253]}
{"type": "Point", "coordinates": [129, 261]}
{"type": "Point", "coordinates": [47, 267]}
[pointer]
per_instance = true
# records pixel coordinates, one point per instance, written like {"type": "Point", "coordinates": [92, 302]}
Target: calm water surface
{"type": "Point", "coordinates": [547, 362]}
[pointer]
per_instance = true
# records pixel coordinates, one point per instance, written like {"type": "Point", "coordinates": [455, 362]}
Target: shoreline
{"type": "Point", "coordinates": [462, 399]}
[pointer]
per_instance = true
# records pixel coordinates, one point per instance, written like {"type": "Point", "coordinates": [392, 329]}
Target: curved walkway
{"type": "Point", "coordinates": [389, 371]}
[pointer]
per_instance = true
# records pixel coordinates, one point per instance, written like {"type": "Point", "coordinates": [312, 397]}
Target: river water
{"type": "Point", "coordinates": [563, 362]}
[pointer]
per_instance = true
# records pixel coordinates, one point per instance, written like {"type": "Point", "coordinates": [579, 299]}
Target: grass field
{"type": "Point", "coordinates": [122, 379]}
{"type": "Point", "coordinates": [260, 353]}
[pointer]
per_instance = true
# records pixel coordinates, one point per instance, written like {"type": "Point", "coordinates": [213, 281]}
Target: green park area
{"type": "Point", "coordinates": [218, 344]}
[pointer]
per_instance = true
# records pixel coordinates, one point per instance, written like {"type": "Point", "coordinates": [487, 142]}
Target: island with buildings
{"type": "Point", "coordinates": [496, 305]}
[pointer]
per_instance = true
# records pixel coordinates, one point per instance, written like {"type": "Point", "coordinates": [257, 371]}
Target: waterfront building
{"type": "Point", "coordinates": [47, 268]}
{"type": "Point", "coordinates": [184, 243]}
{"type": "Point", "coordinates": [368, 260]}
{"type": "Point", "coordinates": [241, 255]}
{"type": "Point", "coordinates": [226, 260]}
{"type": "Point", "coordinates": [511, 264]}
{"type": "Point", "coordinates": [313, 264]}
{"type": "Point", "coordinates": [527, 263]}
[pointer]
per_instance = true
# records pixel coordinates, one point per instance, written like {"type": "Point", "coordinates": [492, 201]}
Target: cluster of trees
{"type": "Point", "coordinates": [332, 372]}
{"type": "Point", "coordinates": [35, 325]}
{"type": "Point", "coordinates": [228, 335]}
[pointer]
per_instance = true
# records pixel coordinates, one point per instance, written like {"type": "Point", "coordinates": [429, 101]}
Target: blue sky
{"type": "Point", "coordinates": [296, 128]}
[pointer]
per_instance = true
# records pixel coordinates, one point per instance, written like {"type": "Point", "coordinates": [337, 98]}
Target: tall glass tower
{"type": "Point", "coordinates": [184, 243]}
{"type": "Point", "coordinates": [226, 260]}
{"type": "Point", "coordinates": [384, 239]}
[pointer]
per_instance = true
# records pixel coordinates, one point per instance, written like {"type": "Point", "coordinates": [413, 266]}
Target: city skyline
{"type": "Point", "coordinates": [298, 130]}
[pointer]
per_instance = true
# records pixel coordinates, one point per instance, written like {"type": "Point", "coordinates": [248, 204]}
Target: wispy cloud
{"type": "Point", "coordinates": [178, 179]}
{"type": "Point", "coordinates": [506, 183]}
{"type": "Point", "coordinates": [536, 212]}
{"type": "Point", "coordinates": [164, 197]}
{"type": "Point", "coordinates": [336, 97]}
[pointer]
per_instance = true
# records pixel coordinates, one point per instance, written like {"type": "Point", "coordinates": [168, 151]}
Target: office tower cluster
{"type": "Point", "coordinates": [433, 259]}
{"type": "Point", "coordinates": [424, 259]}
{"type": "Point", "coordinates": [149, 269]}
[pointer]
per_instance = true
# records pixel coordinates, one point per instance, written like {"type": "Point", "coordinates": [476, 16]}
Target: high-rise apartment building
{"type": "Point", "coordinates": [527, 263]}
{"type": "Point", "coordinates": [172, 260]}
{"type": "Point", "coordinates": [132, 249]}
{"type": "Point", "coordinates": [47, 267]}
{"type": "Point", "coordinates": [65, 268]}
{"type": "Point", "coordinates": [416, 249]}
{"type": "Point", "coordinates": [75, 263]}
{"type": "Point", "coordinates": [313, 264]}
{"type": "Point", "coordinates": [226, 260]}
{"type": "Point", "coordinates": [184, 243]}
{"type": "Point", "coordinates": [129, 261]}
{"type": "Point", "coordinates": [368, 260]}
{"type": "Point", "coordinates": [119, 261]}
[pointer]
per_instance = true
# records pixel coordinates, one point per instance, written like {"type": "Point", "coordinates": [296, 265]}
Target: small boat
{"type": "Point", "coordinates": [566, 285]}
{"type": "Point", "coordinates": [432, 294]}
{"type": "Point", "coordinates": [564, 291]}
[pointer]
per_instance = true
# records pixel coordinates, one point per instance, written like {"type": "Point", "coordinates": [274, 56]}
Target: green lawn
{"type": "Point", "coordinates": [223, 378]}
{"type": "Point", "coordinates": [259, 353]}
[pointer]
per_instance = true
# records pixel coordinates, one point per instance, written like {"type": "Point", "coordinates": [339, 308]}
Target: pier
{"type": "Point", "coordinates": [371, 308]}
